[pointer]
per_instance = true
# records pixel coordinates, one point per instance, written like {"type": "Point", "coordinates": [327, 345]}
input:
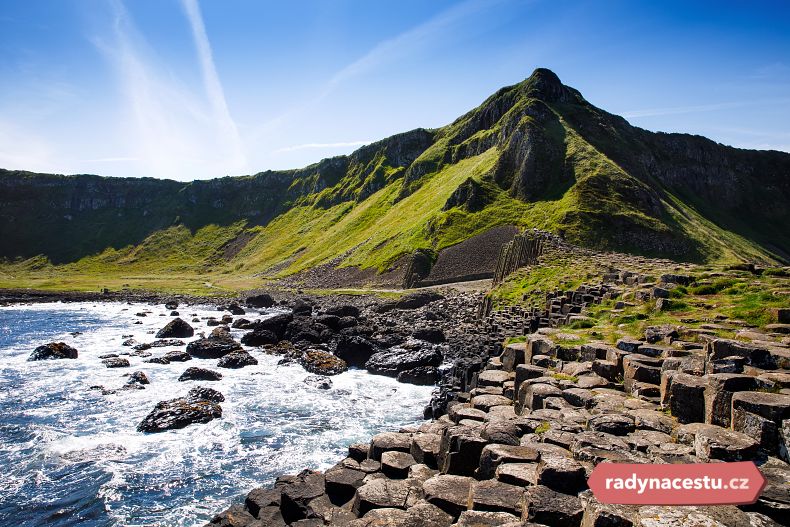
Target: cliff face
{"type": "Point", "coordinates": [535, 154]}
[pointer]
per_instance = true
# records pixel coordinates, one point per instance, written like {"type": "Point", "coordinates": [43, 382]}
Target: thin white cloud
{"type": "Point", "coordinates": [172, 130]}
{"type": "Point", "coordinates": [120, 159]}
{"type": "Point", "coordinates": [654, 112]}
{"type": "Point", "coordinates": [229, 133]}
{"type": "Point", "coordinates": [308, 146]}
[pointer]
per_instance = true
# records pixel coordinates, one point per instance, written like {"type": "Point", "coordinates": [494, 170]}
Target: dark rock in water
{"type": "Point", "coordinates": [129, 342]}
{"type": "Point", "coordinates": [177, 356]}
{"type": "Point", "coordinates": [304, 329]}
{"type": "Point", "coordinates": [116, 362]}
{"type": "Point", "coordinates": [276, 324]}
{"type": "Point", "coordinates": [263, 300]}
{"type": "Point", "coordinates": [212, 322]}
{"type": "Point", "coordinates": [178, 413]}
{"type": "Point", "coordinates": [176, 328]}
{"type": "Point", "coordinates": [237, 359]}
{"type": "Point", "coordinates": [259, 337]}
{"type": "Point", "coordinates": [242, 323]}
{"type": "Point", "coordinates": [433, 335]}
{"type": "Point", "coordinates": [158, 360]}
{"type": "Point", "coordinates": [174, 313]}
{"type": "Point", "coordinates": [236, 309]}
{"type": "Point", "coordinates": [318, 381]}
{"type": "Point", "coordinates": [355, 350]}
{"type": "Point", "coordinates": [199, 374]}
{"type": "Point", "coordinates": [302, 307]}
{"type": "Point", "coordinates": [53, 350]}
{"type": "Point", "coordinates": [203, 393]}
{"type": "Point", "coordinates": [171, 305]}
{"type": "Point", "coordinates": [396, 360]}
{"type": "Point", "coordinates": [227, 319]}
{"type": "Point", "coordinates": [342, 310]}
{"type": "Point", "coordinates": [220, 332]}
{"type": "Point", "coordinates": [212, 347]}
{"type": "Point", "coordinates": [164, 343]}
{"type": "Point", "coordinates": [138, 377]}
{"type": "Point", "coordinates": [322, 363]}
{"type": "Point", "coordinates": [108, 355]}
{"type": "Point", "coordinates": [422, 375]}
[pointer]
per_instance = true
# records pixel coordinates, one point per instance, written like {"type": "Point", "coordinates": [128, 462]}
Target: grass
{"type": "Point", "coordinates": [370, 211]}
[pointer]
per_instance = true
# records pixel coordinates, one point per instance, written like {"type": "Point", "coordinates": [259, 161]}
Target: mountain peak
{"type": "Point", "coordinates": [546, 85]}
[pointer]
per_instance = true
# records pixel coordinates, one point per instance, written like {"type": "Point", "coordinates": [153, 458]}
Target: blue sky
{"type": "Point", "coordinates": [191, 89]}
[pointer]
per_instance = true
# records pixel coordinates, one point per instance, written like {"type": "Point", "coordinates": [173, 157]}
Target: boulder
{"type": "Point", "coordinates": [531, 396]}
{"type": "Point", "coordinates": [259, 337]}
{"type": "Point", "coordinates": [237, 359]}
{"type": "Point", "coordinates": [260, 498]}
{"type": "Point", "coordinates": [513, 355]}
{"type": "Point", "coordinates": [178, 413]}
{"type": "Point", "coordinates": [176, 328]}
{"type": "Point", "coordinates": [318, 381]}
{"type": "Point", "coordinates": [343, 310]}
{"type": "Point", "coordinates": [212, 347]}
{"type": "Point", "coordinates": [236, 309]}
{"type": "Point", "coordinates": [396, 360]}
{"type": "Point", "coordinates": [177, 356]}
{"type": "Point", "coordinates": [425, 448]}
{"type": "Point", "coordinates": [302, 307]}
{"type": "Point", "coordinates": [116, 362]}
{"type": "Point", "coordinates": [138, 377]}
{"type": "Point", "coordinates": [355, 350]}
{"type": "Point", "coordinates": [322, 362]}
{"type": "Point", "coordinates": [263, 300]}
{"type": "Point", "coordinates": [421, 375]}
{"type": "Point", "coordinates": [432, 335]}
{"type": "Point", "coordinates": [53, 350]}
{"type": "Point", "coordinates": [417, 299]}
{"type": "Point", "coordinates": [521, 474]}
{"type": "Point", "coordinates": [199, 393]}
{"type": "Point", "coordinates": [276, 324]}
{"type": "Point", "coordinates": [199, 374]}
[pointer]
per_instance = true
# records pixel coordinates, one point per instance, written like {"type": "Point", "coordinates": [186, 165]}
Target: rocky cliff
{"type": "Point", "coordinates": [535, 154]}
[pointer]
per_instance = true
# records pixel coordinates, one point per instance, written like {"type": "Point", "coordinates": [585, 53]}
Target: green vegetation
{"type": "Point", "coordinates": [597, 184]}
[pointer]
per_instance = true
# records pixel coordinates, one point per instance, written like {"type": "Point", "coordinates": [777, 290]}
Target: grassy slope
{"type": "Point", "coordinates": [384, 226]}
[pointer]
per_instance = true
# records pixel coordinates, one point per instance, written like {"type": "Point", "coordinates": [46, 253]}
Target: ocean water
{"type": "Point", "coordinates": [72, 456]}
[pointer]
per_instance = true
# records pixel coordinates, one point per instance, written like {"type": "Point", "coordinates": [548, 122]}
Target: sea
{"type": "Point", "coordinates": [70, 455]}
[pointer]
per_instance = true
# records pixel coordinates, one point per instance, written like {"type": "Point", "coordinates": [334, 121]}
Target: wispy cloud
{"type": "Point", "coordinates": [112, 160]}
{"type": "Point", "coordinates": [308, 146]}
{"type": "Point", "coordinates": [229, 134]}
{"type": "Point", "coordinates": [653, 112]}
{"type": "Point", "coordinates": [176, 132]}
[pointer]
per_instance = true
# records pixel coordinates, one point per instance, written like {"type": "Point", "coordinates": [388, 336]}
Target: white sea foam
{"type": "Point", "coordinates": [76, 458]}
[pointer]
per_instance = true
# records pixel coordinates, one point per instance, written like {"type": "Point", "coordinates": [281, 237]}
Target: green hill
{"type": "Point", "coordinates": [535, 154]}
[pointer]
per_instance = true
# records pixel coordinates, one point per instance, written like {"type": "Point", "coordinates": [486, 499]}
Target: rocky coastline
{"type": "Point", "coordinates": [522, 412]}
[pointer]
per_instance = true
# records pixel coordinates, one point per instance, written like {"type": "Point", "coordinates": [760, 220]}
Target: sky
{"type": "Point", "coordinates": [196, 89]}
